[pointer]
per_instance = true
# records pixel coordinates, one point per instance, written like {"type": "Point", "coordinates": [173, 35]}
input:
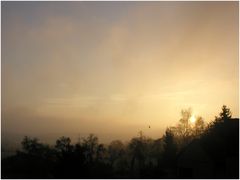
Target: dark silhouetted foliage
{"type": "Point", "coordinates": [184, 151]}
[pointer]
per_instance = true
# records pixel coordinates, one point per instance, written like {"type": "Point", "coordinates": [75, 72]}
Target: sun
{"type": "Point", "coordinates": [192, 119]}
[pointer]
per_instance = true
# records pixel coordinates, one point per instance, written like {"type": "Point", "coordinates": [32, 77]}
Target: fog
{"type": "Point", "coordinates": [114, 68]}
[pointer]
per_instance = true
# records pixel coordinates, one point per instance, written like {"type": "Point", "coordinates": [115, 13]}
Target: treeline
{"type": "Point", "coordinates": [184, 151]}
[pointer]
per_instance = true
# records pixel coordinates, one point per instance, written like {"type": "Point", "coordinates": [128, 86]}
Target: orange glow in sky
{"type": "Point", "coordinates": [115, 68]}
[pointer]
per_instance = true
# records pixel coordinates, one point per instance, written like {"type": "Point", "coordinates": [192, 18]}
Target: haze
{"type": "Point", "coordinates": [114, 68]}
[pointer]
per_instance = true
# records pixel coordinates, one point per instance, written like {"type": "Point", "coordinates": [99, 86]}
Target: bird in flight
{"type": "Point", "coordinates": [149, 127]}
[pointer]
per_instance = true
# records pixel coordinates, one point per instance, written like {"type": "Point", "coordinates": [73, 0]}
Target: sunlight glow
{"type": "Point", "coordinates": [115, 68]}
{"type": "Point", "coordinates": [192, 119]}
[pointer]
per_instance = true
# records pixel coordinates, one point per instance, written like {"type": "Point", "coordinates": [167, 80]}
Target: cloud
{"type": "Point", "coordinates": [126, 64]}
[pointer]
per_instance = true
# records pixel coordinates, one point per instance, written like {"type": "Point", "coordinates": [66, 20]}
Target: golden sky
{"type": "Point", "coordinates": [113, 68]}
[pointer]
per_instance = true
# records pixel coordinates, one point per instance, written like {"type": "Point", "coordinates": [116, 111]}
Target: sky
{"type": "Point", "coordinates": [114, 68]}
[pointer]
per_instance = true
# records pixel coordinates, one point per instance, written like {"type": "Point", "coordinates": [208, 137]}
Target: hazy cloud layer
{"type": "Point", "coordinates": [98, 66]}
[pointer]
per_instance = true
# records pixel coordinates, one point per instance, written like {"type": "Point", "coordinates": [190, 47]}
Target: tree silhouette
{"type": "Point", "coordinates": [90, 145]}
{"type": "Point", "coordinates": [137, 148]}
{"type": "Point", "coordinates": [183, 128]}
{"type": "Point", "coordinates": [185, 132]}
{"type": "Point", "coordinates": [100, 154]}
{"type": "Point", "coordinates": [115, 150]}
{"type": "Point", "coordinates": [142, 157]}
{"type": "Point", "coordinates": [31, 145]}
{"type": "Point", "coordinates": [170, 148]}
{"type": "Point", "coordinates": [226, 113]}
{"type": "Point", "coordinates": [199, 126]}
{"type": "Point", "coordinates": [63, 145]}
